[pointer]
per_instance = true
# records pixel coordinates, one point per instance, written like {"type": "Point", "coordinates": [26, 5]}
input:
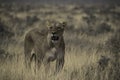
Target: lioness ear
{"type": "Point", "coordinates": [47, 24]}
{"type": "Point", "coordinates": [64, 24]}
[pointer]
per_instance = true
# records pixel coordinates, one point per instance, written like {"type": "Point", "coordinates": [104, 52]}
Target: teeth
{"type": "Point", "coordinates": [54, 41]}
{"type": "Point", "coordinates": [54, 38]}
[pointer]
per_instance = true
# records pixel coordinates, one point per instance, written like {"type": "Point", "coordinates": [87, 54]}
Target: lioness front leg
{"type": "Point", "coordinates": [59, 62]}
{"type": "Point", "coordinates": [59, 65]}
{"type": "Point", "coordinates": [46, 63]}
{"type": "Point", "coordinates": [49, 57]}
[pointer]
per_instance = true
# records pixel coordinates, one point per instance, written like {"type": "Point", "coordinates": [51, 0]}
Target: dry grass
{"type": "Point", "coordinates": [87, 56]}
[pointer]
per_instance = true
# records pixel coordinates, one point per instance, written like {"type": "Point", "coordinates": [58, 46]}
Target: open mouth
{"type": "Point", "coordinates": [55, 38]}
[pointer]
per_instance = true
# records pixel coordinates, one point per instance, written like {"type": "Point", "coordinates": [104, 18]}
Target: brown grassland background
{"type": "Point", "coordinates": [92, 38]}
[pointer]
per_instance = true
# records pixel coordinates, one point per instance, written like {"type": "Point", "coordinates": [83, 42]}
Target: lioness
{"type": "Point", "coordinates": [48, 45]}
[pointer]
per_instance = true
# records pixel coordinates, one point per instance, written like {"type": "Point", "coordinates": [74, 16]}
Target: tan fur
{"type": "Point", "coordinates": [38, 45]}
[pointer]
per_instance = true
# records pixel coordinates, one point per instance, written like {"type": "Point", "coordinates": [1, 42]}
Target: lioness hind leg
{"type": "Point", "coordinates": [28, 46]}
{"type": "Point", "coordinates": [33, 62]}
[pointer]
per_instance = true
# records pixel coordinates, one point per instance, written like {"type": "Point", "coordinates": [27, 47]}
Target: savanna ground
{"type": "Point", "coordinates": [92, 38]}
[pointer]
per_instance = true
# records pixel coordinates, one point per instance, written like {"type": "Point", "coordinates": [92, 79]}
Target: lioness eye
{"type": "Point", "coordinates": [51, 27]}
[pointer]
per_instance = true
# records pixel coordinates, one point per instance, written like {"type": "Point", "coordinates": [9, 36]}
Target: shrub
{"type": "Point", "coordinates": [113, 44]}
{"type": "Point", "coordinates": [108, 70]}
{"type": "Point", "coordinates": [31, 20]}
{"type": "Point", "coordinates": [103, 28]}
{"type": "Point", "coordinates": [4, 32]}
{"type": "Point", "coordinates": [94, 31]}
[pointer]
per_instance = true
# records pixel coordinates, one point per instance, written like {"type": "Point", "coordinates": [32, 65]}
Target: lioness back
{"type": "Point", "coordinates": [37, 33]}
{"type": "Point", "coordinates": [38, 37]}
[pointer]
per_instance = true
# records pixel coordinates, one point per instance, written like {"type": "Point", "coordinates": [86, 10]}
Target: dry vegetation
{"type": "Point", "coordinates": [92, 40]}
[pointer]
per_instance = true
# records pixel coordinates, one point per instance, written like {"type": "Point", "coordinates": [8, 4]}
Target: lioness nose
{"type": "Point", "coordinates": [53, 32]}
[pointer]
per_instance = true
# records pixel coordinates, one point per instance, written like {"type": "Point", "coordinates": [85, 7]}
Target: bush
{"type": "Point", "coordinates": [4, 32]}
{"type": "Point", "coordinates": [103, 28]}
{"type": "Point", "coordinates": [31, 20]}
{"type": "Point", "coordinates": [100, 29]}
{"type": "Point", "coordinates": [90, 19]}
{"type": "Point", "coordinates": [113, 44]}
{"type": "Point", "coordinates": [105, 69]}
{"type": "Point", "coordinates": [3, 55]}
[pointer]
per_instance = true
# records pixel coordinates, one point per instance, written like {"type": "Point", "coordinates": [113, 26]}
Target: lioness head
{"type": "Point", "coordinates": [55, 31]}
